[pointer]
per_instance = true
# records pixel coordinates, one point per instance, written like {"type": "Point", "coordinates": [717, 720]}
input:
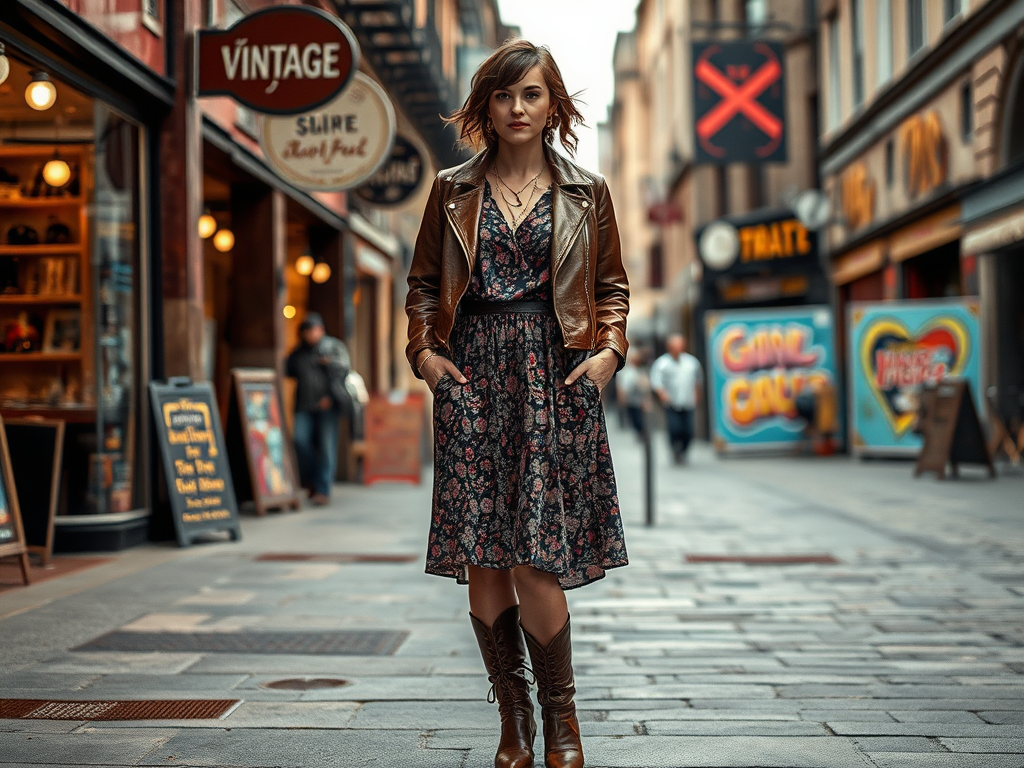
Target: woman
{"type": "Point", "coordinates": [517, 317]}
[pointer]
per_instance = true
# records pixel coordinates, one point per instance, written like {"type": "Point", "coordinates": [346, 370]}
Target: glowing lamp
{"type": "Point", "coordinates": [41, 94]}
{"type": "Point", "coordinates": [304, 265]}
{"type": "Point", "coordinates": [56, 172]}
{"type": "Point", "coordinates": [321, 273]}
{"type": "Point", "coordinates": [5, 65]}
{"type": "Point", "coordinates": [289, 311]}
{"type": "Point", "coordinates": [224, 240]}
{"type": "Point", "coordinates": [207, 225]}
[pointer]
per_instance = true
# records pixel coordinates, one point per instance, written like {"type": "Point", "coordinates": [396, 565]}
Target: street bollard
{"type": "Point", "coordinates": [648, 470]}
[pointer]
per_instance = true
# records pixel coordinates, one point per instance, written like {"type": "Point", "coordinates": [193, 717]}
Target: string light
{"type": "Point", "coordinates": [41, 94]}
{"type": "Point", "coordinates": [207, 224]}
{"type": "Point", "coordinates": [5, 64]}
{"type": "Point", "coordinates": [56, 172]}
{"type": "Point", "coordinates": [224, 240]}
{"type": "Point", "coordinates": [321, 273]}
{"type": "Point", "coordinates": [289, 311]}
{"type": "Point", "coordinates": [304, 265]}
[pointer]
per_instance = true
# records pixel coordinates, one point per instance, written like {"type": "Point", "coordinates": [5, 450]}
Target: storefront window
{"type": "Point", "coordinates": [70, 282]}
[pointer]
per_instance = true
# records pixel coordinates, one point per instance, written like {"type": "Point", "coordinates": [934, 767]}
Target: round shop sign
{"type": "Point", "coordinates": [398, 178]}
{"type": "Point", "coordinates": [335, 147]}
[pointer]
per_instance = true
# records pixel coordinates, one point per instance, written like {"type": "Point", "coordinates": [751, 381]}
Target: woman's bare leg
{"type": "Point", "coordinates": [491, 592]}
{"type": "Point", "coordinates": [542, 607]}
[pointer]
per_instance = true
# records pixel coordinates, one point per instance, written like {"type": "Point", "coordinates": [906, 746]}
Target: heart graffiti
{"type": "Point", "coordinates": [898, 361]}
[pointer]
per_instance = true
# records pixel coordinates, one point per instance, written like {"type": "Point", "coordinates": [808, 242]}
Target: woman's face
{"type": "Point", "coordinates": [520, 111]}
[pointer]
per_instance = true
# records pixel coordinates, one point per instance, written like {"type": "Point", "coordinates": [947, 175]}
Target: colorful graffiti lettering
{"type": "Point", "coordinates": [770, 364]}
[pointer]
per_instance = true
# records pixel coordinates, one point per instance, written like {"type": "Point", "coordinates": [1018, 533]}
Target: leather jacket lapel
{"type": "Point", "coordinates": [568, 212]}
{"type": "Point", "coordinates": [463, 212]}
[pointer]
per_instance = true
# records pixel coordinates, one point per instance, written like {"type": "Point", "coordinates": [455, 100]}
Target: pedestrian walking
{"type": "Point", "coordinates": [517, 317]}
{"type": "Point", "coordinates": [678, 380]}
{"type": "Point", "coordinates": [320, 365]}
{"type": "Point", "coordinates": [633, 388]}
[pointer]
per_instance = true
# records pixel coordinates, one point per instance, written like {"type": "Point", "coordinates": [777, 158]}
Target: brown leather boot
{"type": "Point", "coordinates": [555, 688]}
{"type": "Point", "coordinates": [505, 658]}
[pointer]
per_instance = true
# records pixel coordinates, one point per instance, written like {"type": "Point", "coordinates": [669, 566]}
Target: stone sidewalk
{"type": "Point", "coordinates": [907, 651]}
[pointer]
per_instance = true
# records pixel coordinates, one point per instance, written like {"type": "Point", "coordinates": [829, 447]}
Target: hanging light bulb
{"type": "Point", "coordinates": [224, 240]}
{"type": "Point", "coordinates": [289, 311]}
{"type": "Point", "coordinates": [5, 65]}
{"type": "Point", "coordinates": [207, 224]}
{"type": "Point", "coordinates": [56, 172]}
{"type": "Point", "coordinates": [41, 93]}
{"type": "Point", "coordinates": [321, 273]}
{"type": "Point", "coordinates": [304, 265]}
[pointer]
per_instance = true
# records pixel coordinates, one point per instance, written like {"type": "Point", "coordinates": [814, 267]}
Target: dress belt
{"type": "Point", "coordinates": [477, 307]}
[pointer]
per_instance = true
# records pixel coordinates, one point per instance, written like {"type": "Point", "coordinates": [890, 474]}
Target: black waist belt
{"type": "Point", "coordinates": [476, 307]}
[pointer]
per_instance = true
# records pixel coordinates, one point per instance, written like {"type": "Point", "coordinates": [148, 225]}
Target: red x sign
{"type": "Point", "coordinates": [738, 90]}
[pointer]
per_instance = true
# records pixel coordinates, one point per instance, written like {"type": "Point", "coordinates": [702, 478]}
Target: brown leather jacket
{"type": "Point", "coordinates": [591, 294]}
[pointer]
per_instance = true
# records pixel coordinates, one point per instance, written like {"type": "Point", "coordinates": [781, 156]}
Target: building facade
{"type": "Point", "coordinates": [664, 197]}
{"type": "Point", "coordinates": [921, 156]}
{"type": "Point", "coordinates": [108, 163]}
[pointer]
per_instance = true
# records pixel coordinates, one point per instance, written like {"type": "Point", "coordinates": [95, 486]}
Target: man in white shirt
{"type": "Point", "coordinates": [677, 379]}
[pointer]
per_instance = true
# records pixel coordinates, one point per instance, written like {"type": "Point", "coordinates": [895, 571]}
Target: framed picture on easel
{"type": "Point", "coordinates": [267, 475]}
{"type": "Point", "coordinates": [12, 535]}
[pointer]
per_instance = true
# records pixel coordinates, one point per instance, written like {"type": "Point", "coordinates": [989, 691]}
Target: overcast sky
{"type": "Point", "coordinates": [581, 36]}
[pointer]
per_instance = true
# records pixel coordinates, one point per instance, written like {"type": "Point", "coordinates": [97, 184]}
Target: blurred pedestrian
{"type": "Point", "coordinates": [516, 350]}
{"type": "Point", "coordinates": [320, 365]}
{"type": "Point", "coordinates": [633, 388]}
{"type": "Point", "coordinates": [678, 379]}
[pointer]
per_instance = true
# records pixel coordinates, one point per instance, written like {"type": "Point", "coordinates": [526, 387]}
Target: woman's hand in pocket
{"type": "Point", "coordinates": [598, 368]}
{"type": "Point", "coordinates": [435, 367]}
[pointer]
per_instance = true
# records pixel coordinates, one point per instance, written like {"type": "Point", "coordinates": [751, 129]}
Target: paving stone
{"type": "Point", "coordinates": [940, 760]}
{"type": "Point", "coordinates": [733, 752]}
{"type": "Point", "coordinates": [729, 727]}
{"type": "Point", "coordinates": [321, 666]}
{"type": "Point", "coordinates": [114, 663]}
{"type": "Point", "coordinates": [422, 716]}
{"type": "Point", "coordinates": [271, 748]}
{"type": "Point", "coordinates": [88, 747]}
{"type": "Point", "coordinates": [117, 685]}
{"type": "Point", "coordinates": [1002, 718]}
{"type": "Point", "coordinates": [896, 744]}
{"type": "Point", "coordinates": [269, 714]}
{"type": "Point", "coordinates": [930, 729]}
{"type": "Point", "coordinates": [1012, 746]}
{"type": "Point", "coordinates": [929, 716]}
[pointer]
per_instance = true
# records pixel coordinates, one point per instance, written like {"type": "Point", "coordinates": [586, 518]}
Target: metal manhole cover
{"type": "Point", "coordinates": [335, 643]}
{"type": "Point", "coordinates": [305, 683]}
{"type": "Point", "coordinates": [335, 557]}
{"type": "Point", "coordinates": [149, 709]}
{"type": "Point", "coordinates": [809, 559]}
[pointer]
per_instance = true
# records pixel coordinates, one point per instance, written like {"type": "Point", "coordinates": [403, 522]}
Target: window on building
{"type": "Point", "coordinates": [857, 44]}
{"type": "Point", "coordinates": [890, 163]}
{"type": "Point", "coordinates": [915, 26]}
{"type": "Point", "coordinates": [951, 9]}
{"type": "Point", "coordinates": [656, 266]}
{"type": "Point", "coordinates": [966, 112]}
{"type": "Point", "coordinates": [883, 29]}
{"type": "Point", "coordinates": [757, 14]}
{"type": "Point", "coordinates": [834, 92]}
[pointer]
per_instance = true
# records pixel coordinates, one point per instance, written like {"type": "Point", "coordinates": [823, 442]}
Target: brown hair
{"type": "Point", "coordinates": [507, 66]}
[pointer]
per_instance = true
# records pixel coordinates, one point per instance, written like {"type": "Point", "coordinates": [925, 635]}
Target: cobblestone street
{"type": "Point", "coordinates": [905, 651]}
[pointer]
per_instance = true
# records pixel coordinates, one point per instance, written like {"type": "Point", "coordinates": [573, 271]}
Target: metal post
{"type": "Point", "coordinates": [648, 470]}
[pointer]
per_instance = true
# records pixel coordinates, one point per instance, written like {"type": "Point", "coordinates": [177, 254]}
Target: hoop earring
{"type": "Point", "coordinates": [551, 121]}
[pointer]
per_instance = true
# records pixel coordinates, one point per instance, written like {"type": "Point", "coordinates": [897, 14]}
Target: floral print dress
{"type": "Point", "coordinates": [522, 470]}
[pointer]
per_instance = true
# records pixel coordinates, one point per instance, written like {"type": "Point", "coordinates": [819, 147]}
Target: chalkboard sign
{"type": "Point", "coordinates": [261, 450]}
{"type": "Point", "coordinates": [195, 461]}
{"type": "Point", "coordinates": [951, 430]}
{"type": "Point", "coordinates": [37, 447]}
{"type": "Point", "coordinates": [12, 537]}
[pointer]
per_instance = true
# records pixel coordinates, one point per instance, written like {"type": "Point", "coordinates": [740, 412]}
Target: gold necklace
{"type": "Point", "coordinates": [502, 183]}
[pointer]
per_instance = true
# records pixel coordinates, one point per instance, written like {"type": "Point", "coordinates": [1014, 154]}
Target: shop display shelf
{"type": "Point", "coordinates": [42, 249]}
{"type": "Point", "coordinates": [41, 202]}
{"type": "Point", "coordinates": [37, 298]}
{"type": "Point", "coordinates": [39, 357]}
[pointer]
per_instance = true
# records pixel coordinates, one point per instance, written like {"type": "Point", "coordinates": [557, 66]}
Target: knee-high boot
{"type": "Point", "coordinates": [504, 654]}
{"type": "Point", "coordinates": [552, 665]}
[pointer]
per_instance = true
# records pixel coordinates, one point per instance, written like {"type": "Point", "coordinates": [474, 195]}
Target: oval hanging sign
{"type": "Point", "coordinates": [335, 147]}
{"type": "Point", "coordinates": [397, 179]}
{"type": "Point", "coordinates": [281, 60]}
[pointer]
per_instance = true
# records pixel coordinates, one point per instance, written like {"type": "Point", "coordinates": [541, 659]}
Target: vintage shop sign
{"type": "Point", "coordinates": [758, 362]}
{"type": "Point", "coordinates": [281, 60]}
{"type": "Point", "coordinates": [897, 347]}
{"type": "Point", "coordinates": [397, 179]}
{"type": "Point", "coordinates": [924, 145]}
{"type": "Point", "coordinates": [338, 146]}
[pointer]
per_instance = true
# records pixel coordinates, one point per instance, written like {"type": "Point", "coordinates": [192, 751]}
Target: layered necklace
{"type": "Point", "coordinates": [517, 208]}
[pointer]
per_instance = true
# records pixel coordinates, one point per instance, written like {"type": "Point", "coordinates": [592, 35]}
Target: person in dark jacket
{"type": "Point", "coordinates": [320, 365]}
